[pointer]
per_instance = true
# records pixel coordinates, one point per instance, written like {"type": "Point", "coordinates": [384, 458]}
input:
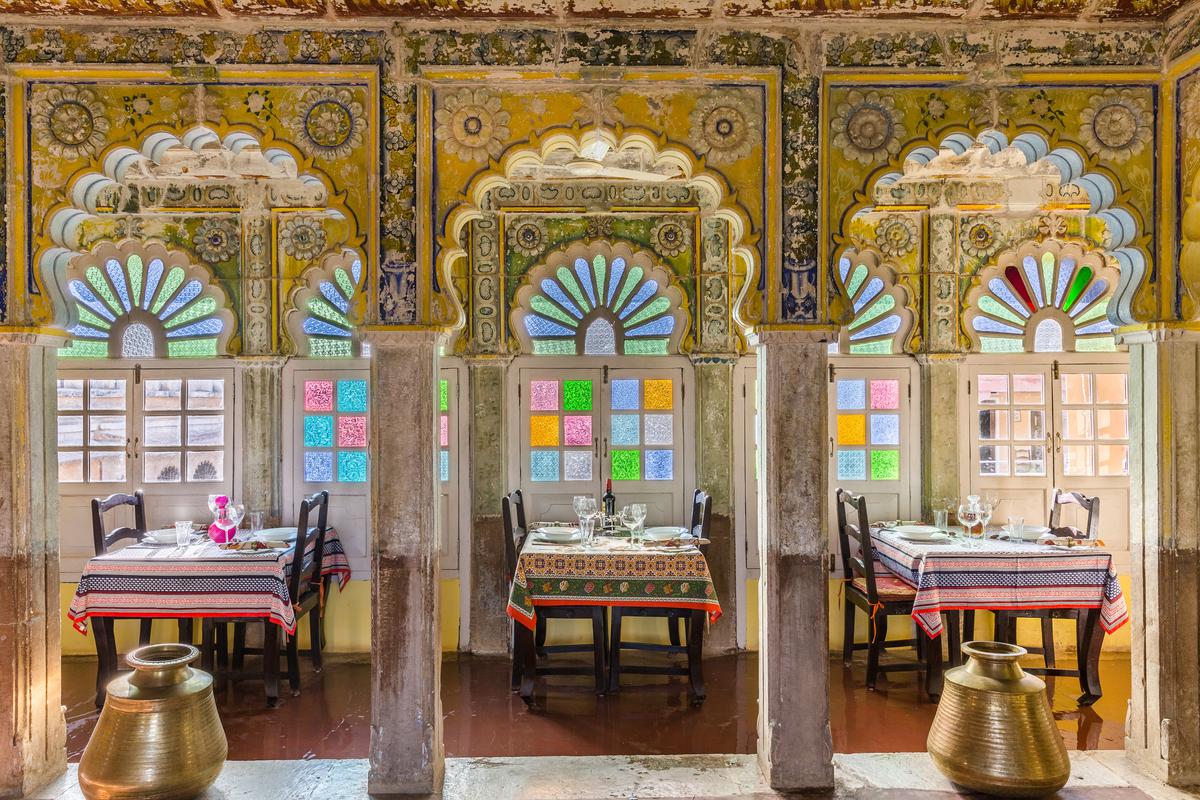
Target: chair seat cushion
{"type": "Point", "coordinates": [888, 586]}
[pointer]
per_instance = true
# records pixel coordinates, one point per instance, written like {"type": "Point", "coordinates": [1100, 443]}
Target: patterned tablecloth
{"type": "Point", "coordinates": [200, 580]}
{"type": "Point", "coordinates": [1002, 576]}
{"type": "Point", "coordinates": [615, 573]}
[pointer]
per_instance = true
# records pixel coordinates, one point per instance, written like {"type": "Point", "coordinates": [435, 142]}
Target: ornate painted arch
{"type": "Point", "coordinates": [881, 320]}
{"type": "Point", "coordinates": [326, 312]}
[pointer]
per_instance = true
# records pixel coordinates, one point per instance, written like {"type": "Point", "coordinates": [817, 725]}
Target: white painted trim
{"type": "Point", "coordinates": [745, 489]}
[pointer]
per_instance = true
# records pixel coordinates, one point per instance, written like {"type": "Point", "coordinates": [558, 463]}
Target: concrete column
{"type": "Point", "coordinates": [1163, 725]}
{"type": "Point", "coordinates": [33, 733]}
{"type": "Point", "coordinates": [489, 468]}
{"type": "Point", "coordinates": [406, 709]}
{"type": "Point", "coordinates": [939, 427]}
{"type": "Point", "coordinates": [260, 381]}
{"type": "Point", "coordinates": [714, 465]}
{"type": "Point", "coordinates": [795, 749]}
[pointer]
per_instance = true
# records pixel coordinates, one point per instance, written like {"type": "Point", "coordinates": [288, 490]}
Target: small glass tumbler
{"type": "Point", "coordinates": [256, 520]}
{"type": "Point", "coordinates": [1016, 527]}
{"type": "Point", "coordinates": [587, 529]}
{"type": "Point", "coordinates": [941, 519]}
{"type": "Point", "coordinates": [183, 532]}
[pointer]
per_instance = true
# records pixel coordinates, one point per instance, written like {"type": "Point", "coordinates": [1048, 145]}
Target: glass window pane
{"type": "Point", "coordinates": [70, 466]}
{"type": "Point", "coordinates": [352, 431]}
{"type": "Point", "coordinates": [885, 429]}
{"type": "Point", "coordinates": [1112, 388]}
{"type": "Point", "coordinates": [993, 424]}
{"type": "Point", "coordinates": [993, 390]}
{"type": "Point", "coordinates": [106, 431]}
{"type": "Point", "coordinates": [993, 459]}
{"type": "Point", "coordinates": [163, 430]}
{"type": "Point", "coordinates": [851, 429]}
{"type": "Point", "coordinates": [1076, 388]}
{"type": "Point", "coordinates": [106, 466]}
{"type": "Point", "coordinates": [1112, 424]}
{"type": "Point", "coordinates": [543, 430]}
{"type": "Point", "coordinates": [206, 431]}
{"type": "Point", "coordinates": [444, 430]}
{"type": "Point", "coordinates": [161, 467]}
{"type": "Point", "coordinates": [852, 465]}
{"type": "Point", "coordinates": [70, 395]}
{"type": "Point", "coordinates": [1028, 425]}
{"type": "Point", "coordinates": [625, 395]}
{"type": "Point", "coordinates": [577, 465]}
{"type": "Point", "coordinates": [577, 395]}
{"type": "Point", "coordinates": [1112, 459]}
{"type": "Point", "coordinates": [660, 465]}
{"type": "Point", "coordinates": [443, 466]}
{"type": "Point", "coordinates": [625, 429]}
{"type": "Point", "coordinates": [659, 395]}
{"type": "Point", "coordinates": [543, 465]}
{"type": "Point", "coordinates": [318, 395]}
{"type": "Point", "coordinates": [318, 430]}
{"type": "Point", "coordinates": [207, 395]}
{"type": "Point", "coordinates": [1029, 459]}
{"type": "Point", "coordinates": [626, 465]}
{"type": "Point", "coordinates": [1028, 389]}
{"type": "Point", "coordinates": [163, 395]}
{"type": "Point", "coordinates": [885, 465]}
{"type": "Point", "coordinates": [352, 466]}
{"type": "Point", "coordinates": [1077, 460]}
{"type": "Point", "coordinates": [885, 394]}
{"type": "Point", "coordinates": [70, 431]}
{"type": "Point", "coordinates": [106, 395]}
{"type": "Point", "coordinates": [318, 467]}
{"type": "Point", "coordinates": [543, 395]}
{"type": "Point", "coordinates": [352, 396]}
{"type": "Point", "coordinates": [577, 430]}
{"type": "Point", "coordinates": [205, 465]}
{"type": "Point", "coordinates": [1077, 423]}
{"type": "Point", "coordinates": [659, 429]}
{"type": "Point", "coordinates": [851, 395]}
{"type": "Point", "coordinates": [443, 395]}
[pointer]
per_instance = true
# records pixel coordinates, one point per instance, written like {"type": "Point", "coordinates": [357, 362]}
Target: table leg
{"type": "Point", "coordinates": [271, 661]}
{"type": "Point", "coordinates": [695, 654]}
{"type": "Point", "coordinates": [933, 667]}
{"type": "Point", "coordinates": [526, 660]}
{"type": "Point", "coordinates": [106, 656]}
{"type": "Point", "coordinates": [1090, 638]}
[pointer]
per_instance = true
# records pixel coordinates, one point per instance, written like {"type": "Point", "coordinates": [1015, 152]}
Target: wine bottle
{"type": "Point", "coordinates": [610, 500]}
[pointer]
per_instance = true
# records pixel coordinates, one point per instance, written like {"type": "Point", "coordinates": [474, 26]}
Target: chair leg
{"type": "Point", "coordinates": [314, 633]}
{"type": "Point", "coordinates": [968, 626]}
{"type": "Point", "coordinates": [271, 662]}
{"type": "Point", "coordinates": [293, 662]}
{"type": "Point", "coordinates": [848, 634]}
{"type": "Point", "coordinates": [614, 652]}
{"type": "Point", "coordinates": [185, 631]}
{"type": "Point", "coordinates": [515, 657]}
{"type": "Point", "coordinates": [539, 637]}
{"type": "Point", "coordinates": [695, 654]}
{"type": "Point", "coordinates": [673, 630]}
{"type": "Point", "coordinates": [1048, 642]}
{"type": "Point", "coordinates": [598, 648]}
{"type": "Point", "coordinates": [239, 645]}
{"type": "Point", "coordinates": [105, 656]}
{"type": "Point", "coordinates": [878, 637]}
{"type": "Point", "coordinates": [144, 632]}
{"type": "Point", "coordinates": [999, 626]}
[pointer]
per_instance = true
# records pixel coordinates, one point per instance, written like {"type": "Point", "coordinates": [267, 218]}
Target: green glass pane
{"type": "Point", "coordinates": [879, 307]}
{"type": "Point", "coordinates": [655, 308]}
{"type": "Point", "coordinates": [577, 395]}
{"type": "Point", "coordinates": [201, 308]}
{"type": "Point", "coordinates": [133, 265]}
{"type": "Point", "coordinates": [1095, 312]}
{"type": "Point", "coordinates": [1048, 277]}
{"type": "Point", "coordinates": [100, 283]}
{"type": "Point", "coordinates": [1082, 279]}
{"type": "Point", "coordinates": [995, 344]}
{"type": "Point", "coordinates": [554, 347]}
{"type": "Point", "coordinates": [172, 282]}
{"type": "Point", "coordinates": [81, 349]}
{"type": "Point", "coordinates": [885, 465]}
{"type": "Point", "coordinates": [88, 318]}
{"type": "Point", "coordinates": [546, 308]}
{"type": "Point", "coordinates": [626, 465]}
{"type": "Point", "coordinates": [319, 347]}
{"type": "Point", "coordinates": [600, 271]}
{"type": "Point", "coordinates": [856, 279]}
{"type": "Point", "coordinates": [645, 347]}
{"type": "Point", "coordinates": [192, 348]}
{"type": "Point", "coordinates": [1098, 344]}
{"type": "Point", "coordinates": [444, 395]}
{"type": "Point", "coordinates": [879, 347]}
{"type": "Point", "coordinates": [344, 282]}
{"type": "Point", "coordinates": [632, 279]}
{"type": "Point", "coordinates": [322, 309]}
{"type": "Point", "coordinates": [992, 306]}
{"type": "Point", "coordinates": [568, 282]}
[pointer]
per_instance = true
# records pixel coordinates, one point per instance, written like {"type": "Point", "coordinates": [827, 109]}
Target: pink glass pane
{"type": "Point", "coordinates": [445, 430]}
{"type": "Point", "coordinates": [885, 394]}
{"type": "Point", "coordinates": [352, 432]}
{"type": "Point", "coordinates": [578, 430]}
{"type": "Point", "coordinates": [318, 395]}
{"type": "Point", "coordinates": [543, 395]}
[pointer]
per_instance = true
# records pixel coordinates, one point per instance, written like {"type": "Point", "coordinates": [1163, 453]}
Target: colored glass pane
{"type": "Point", "coordinates": [543, 430]}
{"type": "Point", "coordinates": [318, 395]}
{"type": "Point", "coordinates": [543, 465]}
{"type": "Point", "coordinates": [851, 395]}
{"type": "Point", "coordinates": [443, 395]}
{"type": "Point", "coordinates": [543, 395]}
{"type": "Point", "coordinates": [577, 430]}
{"type": "Point", "coordinates": [600, 339]}
{"type": "Point", "coordinates": [444, 430]}
{"type": "Point", "coordinates": [885, 394]}
{"type": "Point", "coordinates": [577, 465]}
{"type": "Point", "coordinates": [577, 395]}
{"type": "Point", "coordinates": [352, 431]}
{"type": "Point", "coordinates": [352, 467]}
{"type": "Point", "coordinates": [352, 396]}
{"type": "Point", "coordinates": [851, 465]}
{"type": "Point", "coordinates": [443, 465]}
{"type": "Point", "coordinates": [659, 396]}
{"type": "Point", "coordinates": [625, 429]}
{"type": "Point", "coordinates": [318, 431]}
{"type": "Point", "coordinates": [659, 428]}
{"type": "Point", "coordinates": [625, 395]}
{"type": "Point", "coordinates": [851, 429]}
{"type": "Point", "coordinates": [626, 465]}
{"type": "Point", "coordinates": [885, 429]}
{"type": "Point", "coordinates": [660, 465]}
{"type": "Point", "coordinates": [318, 467]}
{"type": "Point", "coordinates": [885, 465]}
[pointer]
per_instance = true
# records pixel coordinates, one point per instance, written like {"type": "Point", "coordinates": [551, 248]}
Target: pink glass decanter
{"type": "Point", "coordinates": [223, 528]}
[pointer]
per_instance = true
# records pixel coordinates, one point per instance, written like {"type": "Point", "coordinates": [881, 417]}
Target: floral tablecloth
{"type": "Point", "coordinates": [614, 573]}
{"type": "Point", "coordinates": [200, 580]}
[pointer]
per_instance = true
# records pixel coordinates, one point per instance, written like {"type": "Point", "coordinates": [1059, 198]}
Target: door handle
{"type": "Point", "coordinates": [128, 449]}
{"type": "Point", "coordinates": [831, 447]}
{"type": "Point", "coordinates": [606, 447]}
{"type": "Point", "coordinates": [1057, 442]}
{"type": "Point", "coordinates": [596, 447]}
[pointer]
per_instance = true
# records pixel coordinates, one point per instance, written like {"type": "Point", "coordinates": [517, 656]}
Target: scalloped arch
{"type": "Point", "coordinates": [326, 312]}
{"type": "Point", "coordinates": [881, 320]}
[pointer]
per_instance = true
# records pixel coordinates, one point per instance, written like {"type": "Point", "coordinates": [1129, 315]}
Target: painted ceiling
{"type": "Point", "coordinates": [1082, 10]}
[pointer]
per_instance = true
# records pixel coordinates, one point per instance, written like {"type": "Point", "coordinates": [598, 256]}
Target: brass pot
{"type": "Point", "coordinates": [159, 736]}
{"type": "Point", "coordinates": [993, 731]}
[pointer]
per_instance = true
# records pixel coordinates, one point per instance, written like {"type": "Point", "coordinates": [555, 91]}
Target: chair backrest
{"type": "Point", "coordinates": [854, 525]}
{"type": "Point", "coordinates": [701, 525]}
{"type": "Point", "coordinates": [512, 507]}
{"type": "Point", "coordinates": [1089, 504]}
{"type": "Point", "coordinates": [102, 539]}
{"type": "Point", "coordinates": [300, 572]}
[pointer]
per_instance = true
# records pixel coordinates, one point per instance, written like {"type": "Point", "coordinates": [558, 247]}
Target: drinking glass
{"type": "Point", "coordinates": [941, 519]}
{"type": "Point", "coordinates": [256, 520]}
{"type": "Point", "coordinates": [587, 529]}
{"type": "Point", "coordinates": [183, 532]}
{"type": "Point", "coordinates": [628, 520]}
{"type": "Point", "coordinates": [638, 510]}
{"type": "Point", "coordinates": [1016, 527]}
{"type": "Point", "coordinates": [579, 504]}
{"type": "Point", "coordinates": [968, 517]}
{"type": "Point", "coordinates": [985, 516]}
{"type": "Point", "coordinates": [234, 512]}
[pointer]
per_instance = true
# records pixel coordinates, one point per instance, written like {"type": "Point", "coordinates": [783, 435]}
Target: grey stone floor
{"type": "Point", "coordinates": [886, 776]}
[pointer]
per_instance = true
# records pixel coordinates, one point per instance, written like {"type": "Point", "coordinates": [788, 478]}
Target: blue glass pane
{"type": "Point", "coordinates": [852, 465]}
{"type": "Point", "coordinates": [625, 429]}
{"type": "Point", "coordinates": [205, 327]}
{"type": "Point", "coordinates": [334, 296]}
{"type": "Point", "coordinates": [320, 327]}
{"type": "Point", "coordinates": [543, 465]}
{"type": "Point", "coordinates": [663, 326]}
{"type": "Point", "coordinates": [885, 429]}
{"type": "Point", "coordinates": [153, 274]}
{"type": "Point", "coordinates": [625, 395]}
{"type": "Point", "coordinates": [540, 326]}
{"type": "Point", "coordinates": [614, 279]}
{"type": "Point", "coordinates": [555, 291]}
{"type": "Point", "coordinates": [117, 276]}
{"type": "Point", "coordinates": [1095, 290]}
{"type": "Point", "coordinates": [318, 467]}
{"type": "Point", "coordinates": [992, 326]}
{"type": "Point", "coordinates": [352, 396]}
{"type": "Point", "coordinates": [660, 465]}
{"type": "Point", "coordinates": [648, 290]}
{"type": "Point", "coordinates": [86, 296]}
{"type": "Point", "coordinates": [887, 325]}
{"type": "Point", "coordinates": [318, 431]}
{"type": "Point", "coordinates": [584, 271]}
{"type": "Point", "coordinates": [851, 395]}
{"type": "Point", "coordinates": [444, 465]}
{"type": "Point", "coordinates": [186, 296]}
{"type": "Point", "coordinates": [352, 467]}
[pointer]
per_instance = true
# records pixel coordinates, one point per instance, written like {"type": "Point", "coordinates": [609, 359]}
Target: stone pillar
{"type": "Point", "coordinates": [32, 728]}
{"type": "Point", "coordinates": [406, 708]}
{"type": "Point", "coordinates": [939, 427]}
{"type": "Point", "coordinates": [795, 749]}
{"type": "Point", "coordinates": [1163, 725]}
{"type": "Point", "coordinates": [489, 469]}
{"type": "Point", "coordinates": [260, 382]}
{"type": "Point", "coordinates": [714, 465]}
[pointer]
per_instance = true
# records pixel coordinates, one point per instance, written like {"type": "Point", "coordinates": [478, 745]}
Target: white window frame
{"type": "Point", "coordinates": [747, 564]}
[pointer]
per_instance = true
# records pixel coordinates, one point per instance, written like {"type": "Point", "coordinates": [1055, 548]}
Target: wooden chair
{"type": "Point", "coordinates": [880, 596]}
{"type": "Point", "coordinates": [306, 590]}
{"type": "Point", "coordinates": [689, 643]}
{"type": "Point", "coordinates": [513, 513]}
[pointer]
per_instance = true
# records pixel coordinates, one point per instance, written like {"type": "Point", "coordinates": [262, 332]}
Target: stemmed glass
{"type": "Point", "coordinates": [234, 512]}
{"type": "Point", "coordinates": [638, 512]}
{"type": "Point", "coordinates": [987, 507]}
{"type": "Point", "coordinates": [580, 506]}
{"type": "Point", "coordinates": [969, 515]}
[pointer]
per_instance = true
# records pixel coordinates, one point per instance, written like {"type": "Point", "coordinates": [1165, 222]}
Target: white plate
{"type": "Point", "coordinates": [916, 533]}
{"type": "Point", "coordinates": [165, 536]}
{"type": "Point", "coordinates": [275, 535]}
{"type": "Point", "coordinates": [556, 534]}
{"type": "Point", "coordinates": [1029, 533]}
{"type": "Point", "coordinates": [936, 536]}
{"type": "Point", "coordinates": [662, 533]}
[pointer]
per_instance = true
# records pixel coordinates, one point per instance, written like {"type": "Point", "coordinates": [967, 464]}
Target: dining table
{"type": "Point", "coordinates": [998, 573]}
{"type": "Point", "coordinates": [609, 571]}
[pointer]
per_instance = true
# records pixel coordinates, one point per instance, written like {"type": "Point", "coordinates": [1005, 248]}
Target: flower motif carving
{"type": "Point", "coordinates": [670, 238]}
{"type": "Point", "coordinates": [979, 238]}
{"type": "Point", "coordinates": [529, 238]}
{"type": "Point", "coordinates": [724, 128]}
{"type": "Point", "coordinates": [68, 121]}
{"type": "Point", "coordinates": [302, 238]}
{"type": "Point", "coordinates": [1116, 125]}
{"type": "Point", "coordinates": [330, 123]}
{"type": "Point", "coordinates": [867, 128]}
{"type": "Point", "coordinates": [215, 240]}
{"type": "Point", "coordinates": [471, 125]}
{"type": "Point", "coordinates": [896, 235]}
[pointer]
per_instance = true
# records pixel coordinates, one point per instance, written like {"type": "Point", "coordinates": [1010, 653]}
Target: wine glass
{"type": "Point", "coordinates": [234, 512]}
{"type": "Point", "coordinates": [986, 509]}
{"type": "Point", "coordinates": [579, 504]}
{"type": "Point", "coordinates": [628, 520]}
{"type": "Point", "coordinates": [638, 512]}
{"type": "Point", "coordinates": [968, 516]}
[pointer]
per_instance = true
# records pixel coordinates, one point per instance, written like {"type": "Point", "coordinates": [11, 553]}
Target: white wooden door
{"type": "Point", "coordinates": [450, 469]}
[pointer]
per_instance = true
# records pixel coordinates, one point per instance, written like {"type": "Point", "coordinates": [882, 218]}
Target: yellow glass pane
{"type": "Point", "coordinates": [659, 396]}
{"type": "Point", "coordinates": [543, 430]}
{"type": "Point", "coordinates": [851, 429]}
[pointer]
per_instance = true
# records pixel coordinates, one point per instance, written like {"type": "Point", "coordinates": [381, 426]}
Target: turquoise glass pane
{"type": "Point", "coordinates": [352, 396]}
{"type": "Point", "coordinates": [318, 467]}
{"type": "Point", "coordinates": [625, 429]}
{"type": "Point", "coordinates": [444, 465]}
{"type": "Point", "coordinates": [660, 465]}
{"type": "Point", "coordinates": [625, 395]}
{"type": "Point", "coordinates": [543, 465]}
{"type": "Point", "coordinates": [352, 467]}
{"type": "Point", "coordinates": [851, 395]}
{"type": "Point", "coordinates": [318, 431]}
{"type": "Point", "coordinates": [626, 465]}
{"type": "Point", "coordinates": [885, 465]}
{"type": "Point", "coordinates": [851, 465]}
{"type": "Point", "coordinates": [885, 429]}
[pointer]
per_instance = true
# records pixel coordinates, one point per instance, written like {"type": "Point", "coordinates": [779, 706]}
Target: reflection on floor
{"type": "Point", "coordinates": [331, 718]}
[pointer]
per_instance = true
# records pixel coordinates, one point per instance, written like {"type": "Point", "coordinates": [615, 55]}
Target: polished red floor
{"type": "Point", "coordinates": [331, 718]}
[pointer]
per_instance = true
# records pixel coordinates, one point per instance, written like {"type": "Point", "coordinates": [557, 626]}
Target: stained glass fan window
{"type": "Point", "coordinates": [881, 321]}
{"type": "Point", "coordinates": [326, 322]}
